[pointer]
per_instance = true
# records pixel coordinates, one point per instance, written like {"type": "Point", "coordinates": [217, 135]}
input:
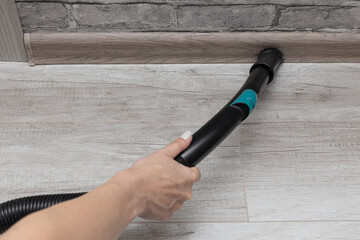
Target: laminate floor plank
{"type": "Point", "coordinates": [301, 171]}
{"type": "Point", "coordinates": [248, 231]}
{"type": "Point", "coordinates": [173, 93]}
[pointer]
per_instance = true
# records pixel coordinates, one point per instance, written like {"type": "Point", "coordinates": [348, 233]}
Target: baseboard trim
{"type": "Point", "coordinates": [140, 48]}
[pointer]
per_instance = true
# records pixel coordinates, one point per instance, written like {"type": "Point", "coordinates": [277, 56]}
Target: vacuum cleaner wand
{"type": "Point", "coordinates": [204, 140]}
{"type": "Point", "coordinates": [234, 112]}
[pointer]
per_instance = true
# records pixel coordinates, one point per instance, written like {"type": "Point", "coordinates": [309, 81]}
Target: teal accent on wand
{"type": "Point", "coordinates": [249, 97]}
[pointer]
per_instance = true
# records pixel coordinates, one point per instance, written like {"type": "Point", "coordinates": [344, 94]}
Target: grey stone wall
{"type": "Point", "coordinates": [190, 15]}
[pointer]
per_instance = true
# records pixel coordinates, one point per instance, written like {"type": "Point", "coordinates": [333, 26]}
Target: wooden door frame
{"type": "Point", "coordinates": [12, 48]}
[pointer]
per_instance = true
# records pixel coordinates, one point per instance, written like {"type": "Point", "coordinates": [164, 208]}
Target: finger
{"type": "Point", "coordinates": [174, 148]}
{"type": "Point", "coordinates": [197, 174]}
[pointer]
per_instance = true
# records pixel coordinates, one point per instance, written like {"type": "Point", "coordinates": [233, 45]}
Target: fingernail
{"type": "Point", "coordinates": [186, 135]}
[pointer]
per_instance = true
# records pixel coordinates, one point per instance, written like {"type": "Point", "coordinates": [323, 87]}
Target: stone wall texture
{"type": "Point", "coordinates": [189, 15]}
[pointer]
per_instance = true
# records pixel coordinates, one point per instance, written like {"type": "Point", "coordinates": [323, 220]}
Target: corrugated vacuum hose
{"type": "Point", "coordinates": [206, 139]}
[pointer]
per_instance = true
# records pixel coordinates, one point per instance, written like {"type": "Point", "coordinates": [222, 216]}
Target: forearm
{"type": "Point", "coordinates": [100, 214]}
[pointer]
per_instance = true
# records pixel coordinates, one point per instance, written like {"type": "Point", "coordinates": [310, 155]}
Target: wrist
{"type": "Point", "coordinates": [126, 179]}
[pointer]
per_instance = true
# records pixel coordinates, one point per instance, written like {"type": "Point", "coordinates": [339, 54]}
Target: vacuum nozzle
{"type": "Point", "coordinates": [271, 59]}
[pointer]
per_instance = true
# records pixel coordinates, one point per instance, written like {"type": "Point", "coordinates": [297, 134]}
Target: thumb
{"type": "Point", "coordinates": [177, 146]}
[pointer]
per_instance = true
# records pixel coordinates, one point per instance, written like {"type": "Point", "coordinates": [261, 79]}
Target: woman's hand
{"type": "Point", "coordinates": [153, 188]}
{"type": "Point", "coordinates": [161, 183]}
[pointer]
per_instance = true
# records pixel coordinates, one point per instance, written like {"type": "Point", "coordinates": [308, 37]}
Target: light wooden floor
{"type": "Point", "coordinates": [291, 171]}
